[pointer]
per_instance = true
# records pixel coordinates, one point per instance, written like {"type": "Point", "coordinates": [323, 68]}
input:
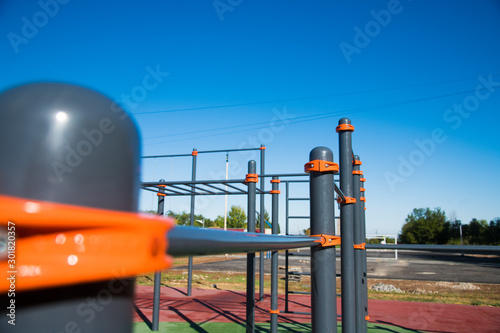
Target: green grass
{"type": "Point", "coordinates": [211, 327]}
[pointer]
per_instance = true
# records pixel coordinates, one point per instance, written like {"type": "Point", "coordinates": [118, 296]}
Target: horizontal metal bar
{"type": "Point", "coordinates": [298, 312]}
{"type": "Point", "coordinates": [284, 175]}
{"type": "Point", "coordinates": [298, 199]}
{"type": "Point", "coordinates": [299, 292]}
{"type": "Point", "coordinates": [428, 247]}
{"type": "Point", "coordinates": [193, 241]}
{"type": "Point", "coordinates": [202, 152]}
{"type": "Point", "coordinates": [299, 217]}
{"type": "Point", "coordinates": [195, 182]}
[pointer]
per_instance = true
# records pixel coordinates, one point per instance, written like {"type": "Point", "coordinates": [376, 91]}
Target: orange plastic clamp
{"type": "Point", "coordinates": [159, 194]}
{"type": "Point", "coordinates": [252, 178]}
{"type": "Point", "coordinates": [275, 181]}
{"type": "Point", "coordinates": [356, 162]}
{"type": "Point", "coordinates": [194, 153]}
{"type": "Point", "coordinates": [361, 246]}
{"type": "Point", "coordinates": [362, 199]}
{"type": "Point", "coordinates": [348, 200]}
{"type": "Point", "coordinates": [58, 244]}
{"type": "Point", "coordinates": [275, 191]}
{"type": "Point", "coordinates": [357, 172]}
{"type": "Point", "coordinates": [327, 240]}
{"type": "Point", "coordinates": [262, 148]}
{"type": "Point", "coordinates": [367, 318]}
{"type": "Point", "coordinates": [365, 208]}
{"type": "Point", "coordinates": [274, 311]}
{"type": "Point", "coordinates": [321, 166]}
{"type": "Point", "coordinates": [362, 179]}
{"type": "Point", "coordinates": [362, 189]}
{"type": "Point", "coordinates": [345, 127]}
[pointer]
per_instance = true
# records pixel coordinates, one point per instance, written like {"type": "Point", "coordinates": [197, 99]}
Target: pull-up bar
{"type": "Point", "coordinates": [196, 152]}
{"type": "Point", "coordinates": [187, 241]}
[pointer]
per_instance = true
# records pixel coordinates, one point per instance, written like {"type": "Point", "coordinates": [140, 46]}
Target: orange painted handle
{"type": "Point", "coordinates": [58, 244]}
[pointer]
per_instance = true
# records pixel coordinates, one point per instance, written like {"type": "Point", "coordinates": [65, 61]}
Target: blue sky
{"type": "Point", "coordinates": [420, 81]}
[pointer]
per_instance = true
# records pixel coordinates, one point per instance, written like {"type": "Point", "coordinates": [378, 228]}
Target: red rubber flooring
{"type": "Point", "coordinates": [229, 306]}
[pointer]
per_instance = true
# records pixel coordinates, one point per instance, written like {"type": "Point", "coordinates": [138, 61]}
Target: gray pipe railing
{"type": "Point", "coordinates": [196, 241]}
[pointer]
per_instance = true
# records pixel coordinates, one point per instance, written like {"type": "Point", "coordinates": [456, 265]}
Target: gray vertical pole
{"type": "Point", "coordinates": [191, 221]}
{"type": "Point", "coordinates": [274, 259]}
{"type": "Point", "coordinates": [287, 214]}
{"type": "Point", "coordinates": [323, 289]}
{"type": "Point", "coordinates": [346, 227]}
{"type": "Point", "coordinates": [262, 221]}
{"type": "Point", "coordinates": [359, 241]}
{"type": "Point", "coordinates": [250, 319]}
{"type": "Point", "coordinates": [157, 281]}
{"type": "Point", "coordinates": [106, 177]}
{"type": "Point", "coordinates": [365, 268]}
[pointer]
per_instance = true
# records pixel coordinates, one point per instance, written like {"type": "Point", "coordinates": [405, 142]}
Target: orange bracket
{"type": "Point", "coordinates": [274, 311]}
{"type": "Point", "coordinates": [252, 178]}
{"type": "Point", "coordinates": [345, 127]}
{"type": "Point", "coordinates": [262, 148]}
{"type": "Point", "coordinates": [58, 244]}
{"type": "Point", "coordinates": [362, 199]}
{"type": "Point", "coordinates": [361, 246]}
{"type": "Point", "coordinates": [362, 189]}
{"type": "Point", "coordinates": [321, 166]}
{"type": "Point", "coordinates": [357, 172]}
{"type": "Point", "coordinates": [275, 181]}
{"type": "Point", "coordinates": [327, 240]}
{"type": "Point", "coordinates": [367, 318]}
{"type": "Point", "coordinates": [356, 162]}
{"type": "Point", "coordinates": [362, 179]}
{"type": "Point", "coordinates": [348, 200]}
{"type": "Point", "coordinates": [160, 194]}
{"type": "Point", "coordinates": [194, 153]}
{"type": "Point", "coordinates": [275, 191]}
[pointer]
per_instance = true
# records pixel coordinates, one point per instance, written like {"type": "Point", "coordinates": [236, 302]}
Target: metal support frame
{"type": "Point", "coordinates": [155, 324]}
{"type": "Point", "coordinates": [274, 256]}
{"type": "Point", "coordinates": [347, 230]}
{"type": "Point", "coordinates": [262, 220]}
{"type": "Point", "coordinates": [250, 304]}
{"type": "Point", "coordinates": [323, 272]}
{"type": "Point", "coordinates": [360, 252]}
{"type": "Point", "coordinates": [191, 220]}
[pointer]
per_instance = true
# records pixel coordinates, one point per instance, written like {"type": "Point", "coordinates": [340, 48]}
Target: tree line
{"type": "Point", "coordinates": [430, 226]}
{"type": "Point", "coordinates": [236, 219]}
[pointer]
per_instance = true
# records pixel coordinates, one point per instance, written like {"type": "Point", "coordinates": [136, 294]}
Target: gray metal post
{"type": "Point", "coordinates": [274, 259]}
{"type": "Point", "coordinates": [346, 226]}
{"type": "Point", "coordinates": [104, 174]}
{"type": "Point", "coordinates": [323, 284]}
{"type": "Point", "coordinates": [262, 221]}
{"type": "Point", "coordinates": [191, 222]}
{"type": "Point", "coordinates": [359, 241]}
{"type": "Point", "coordinates": [250, 318]}
{"type": "Point", "coordinates": [287, 214]}
{"type": "Point", "coordinates": [157, 280]}
{"type": "Point", "coordinates": [364, 260]}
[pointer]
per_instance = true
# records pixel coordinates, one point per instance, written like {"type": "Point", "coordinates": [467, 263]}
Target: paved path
{"type": "Point", "coordinates": [412, 265]}
{"type": "Point", "coordinates": [229, 306]}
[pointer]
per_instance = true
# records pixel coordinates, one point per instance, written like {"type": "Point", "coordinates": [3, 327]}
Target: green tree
{"type": "Point", "coordinates": [425, 226]}
{"type": "Point", "coordinates": [184, 218]}
{"type": "Point", "coordinates": [236, 218]}
{"type": "Point", "coordinates": [478, 232]}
